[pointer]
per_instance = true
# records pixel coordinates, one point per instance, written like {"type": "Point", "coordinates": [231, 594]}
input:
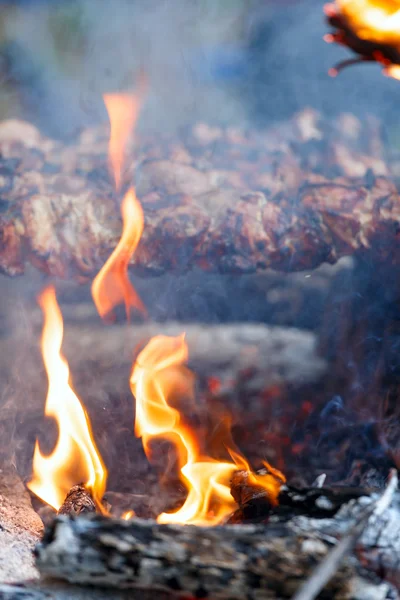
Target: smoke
{"type": "Point", "coordinates": [229, 63]}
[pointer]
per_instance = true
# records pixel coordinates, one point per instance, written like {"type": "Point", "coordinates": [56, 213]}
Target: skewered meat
{"type": "Point", "coordinates": [222, 200]}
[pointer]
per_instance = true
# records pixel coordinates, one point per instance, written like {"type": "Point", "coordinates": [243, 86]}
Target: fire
{"type": "Point", "coordinates": [111, 286]}
{"type": "Point", "coordinates": [123, 111]}
{"type": "Point", "coordinates": [369, 27]}
{"type": "Point", "coordinates": [373, 20]}
{"type": "Point", "coordinates": [75, 457]}
{"type": "Point", "coordinates": [158, 376]}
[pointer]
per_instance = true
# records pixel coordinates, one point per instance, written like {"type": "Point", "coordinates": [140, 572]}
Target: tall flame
{"type": "Point", "coordinates": [111, 286]}
{"type": "Point", "coordinates": [75, 457]}
{"type": "Point", "coordinates": [157, 376]}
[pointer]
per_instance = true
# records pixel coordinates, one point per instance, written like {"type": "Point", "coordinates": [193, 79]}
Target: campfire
{"type": "Point", "coordinates": [210, 513]}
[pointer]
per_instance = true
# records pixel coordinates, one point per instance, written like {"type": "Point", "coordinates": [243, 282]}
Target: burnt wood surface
{"type": "Point", "coordinates": [260, 561]}
{"type": "Point", "coordinates": [255, 504]}
{"type": "Point", "coordinates": [222, 200]}
{"type": "Point", "coordinates": [78, 501]}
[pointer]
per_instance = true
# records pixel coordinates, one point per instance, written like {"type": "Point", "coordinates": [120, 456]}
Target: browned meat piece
{"type": "Point", "coordinates": [222, 200]}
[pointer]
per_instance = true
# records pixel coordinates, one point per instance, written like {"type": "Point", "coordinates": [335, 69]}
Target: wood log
{"type": "Point", "coordinates": [224, 201]}
{"type": "Point", "coordinates": [78, 501]}
{"type": "Point", "coordinates": [221, 562]}
{"type": "Point", "coordinates": [20, 528]}
{"type": "Point", "coordinates": [255, 503]}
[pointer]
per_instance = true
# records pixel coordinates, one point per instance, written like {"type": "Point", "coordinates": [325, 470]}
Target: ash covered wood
{"type": "Point", "coordinates": [268, 561]}
{"type": "Point", "coordinates": [256, 503]}
{"type": "Point", "coordinates": [222, 200]}
{"type": "Point", "coordinates": [20, 528]}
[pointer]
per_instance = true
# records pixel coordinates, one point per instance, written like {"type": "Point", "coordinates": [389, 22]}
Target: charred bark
{"type": "Point", "coordinates": [221, 200]}
{"type": "Point", "coordinates": [78, 501]}
{"type": "Point", "coordinates": [221, 562]}
{"type": "Point", "coordinates": [256, 505]}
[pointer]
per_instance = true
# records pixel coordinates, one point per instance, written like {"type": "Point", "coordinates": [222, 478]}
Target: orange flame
{"type": "Point", "coordinates": [373, 20]}
{"type": "Point", "coordinates": [157, 376]}
{"type": "Point", "coordinates": [75, 457]}
{"type": "Point", "coordinates": [129, 514]}
{"type": "Point", "coordinates": [392, 71]}
{"type": "Point", "coordinates": [111, 286]}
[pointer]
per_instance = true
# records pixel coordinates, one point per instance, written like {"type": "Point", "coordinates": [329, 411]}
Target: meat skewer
{"type": "Point", "coordinates": [219, 200]}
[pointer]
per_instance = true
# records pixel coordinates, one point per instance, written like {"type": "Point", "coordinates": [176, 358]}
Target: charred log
{"type": "Point", "coordinates": [78, 501]}
{"type": "Point", "coordinates": [220, 562]}
{"type": "Point", "coordinates": [242, 202]}
{"type": "Point", "coordinates": [256, 505]}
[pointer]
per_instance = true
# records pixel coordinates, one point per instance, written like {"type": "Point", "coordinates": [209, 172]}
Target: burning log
{"type": "Point", "coordinates": [221, 200]}
{"type": "Point", "coordinates": [78, 501]}
{"type": "Point", "coordinates": [220, 562]}
{"type": "Point", "coordinates": [255, 502]}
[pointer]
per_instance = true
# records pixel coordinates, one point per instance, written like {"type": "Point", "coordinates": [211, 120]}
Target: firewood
{"type": "Point", "coordinates": [256, 505]}
{"type": "Point", "coordinates": [224, 201]}
{"type": "Point", "coordinates": [325, 571]}
{"type": "Point", "coordinates": [220, 562]}
{"type": "Point", "coordinates": [78, 501]}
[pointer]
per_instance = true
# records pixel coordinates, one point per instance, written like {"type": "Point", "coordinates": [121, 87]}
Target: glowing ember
{"type": "Point", "coordinates": [75, 458]}
{"type": "Point", "coordinates": [111, 286]}
{"type": "Point", "coordinates": [369, 27]}
{"type": "Point", "coordinates": [158, 376]}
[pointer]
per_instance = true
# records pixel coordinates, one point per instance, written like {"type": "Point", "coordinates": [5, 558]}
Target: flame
{"type": "Point", "coordinates": [75, 457]}
{"type": "Point", "coordinates": [111, 286]}
{"type": "Point", "coordinates": [392, 71]}
{"type": "Point", "coordinates": [157, 376]}
{"type": "Point", "coordinates": [129, 514]}
{"type": "Point", "coordinates": [373, 20]}
{"type": "Point", "coordinates": [123, 111]}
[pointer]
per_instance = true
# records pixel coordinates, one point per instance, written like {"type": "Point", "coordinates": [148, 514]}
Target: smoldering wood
{"type": "Point", "coordinates": [78, 501]}
{"type": "Point", "coordinates": [330, 564]}
{"type": "Point", "coordinates": [225, 201]}
{"type": "Point", "coordinates": [255, 504]}
{"type": "Point", "coordinates": [270, 560]}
